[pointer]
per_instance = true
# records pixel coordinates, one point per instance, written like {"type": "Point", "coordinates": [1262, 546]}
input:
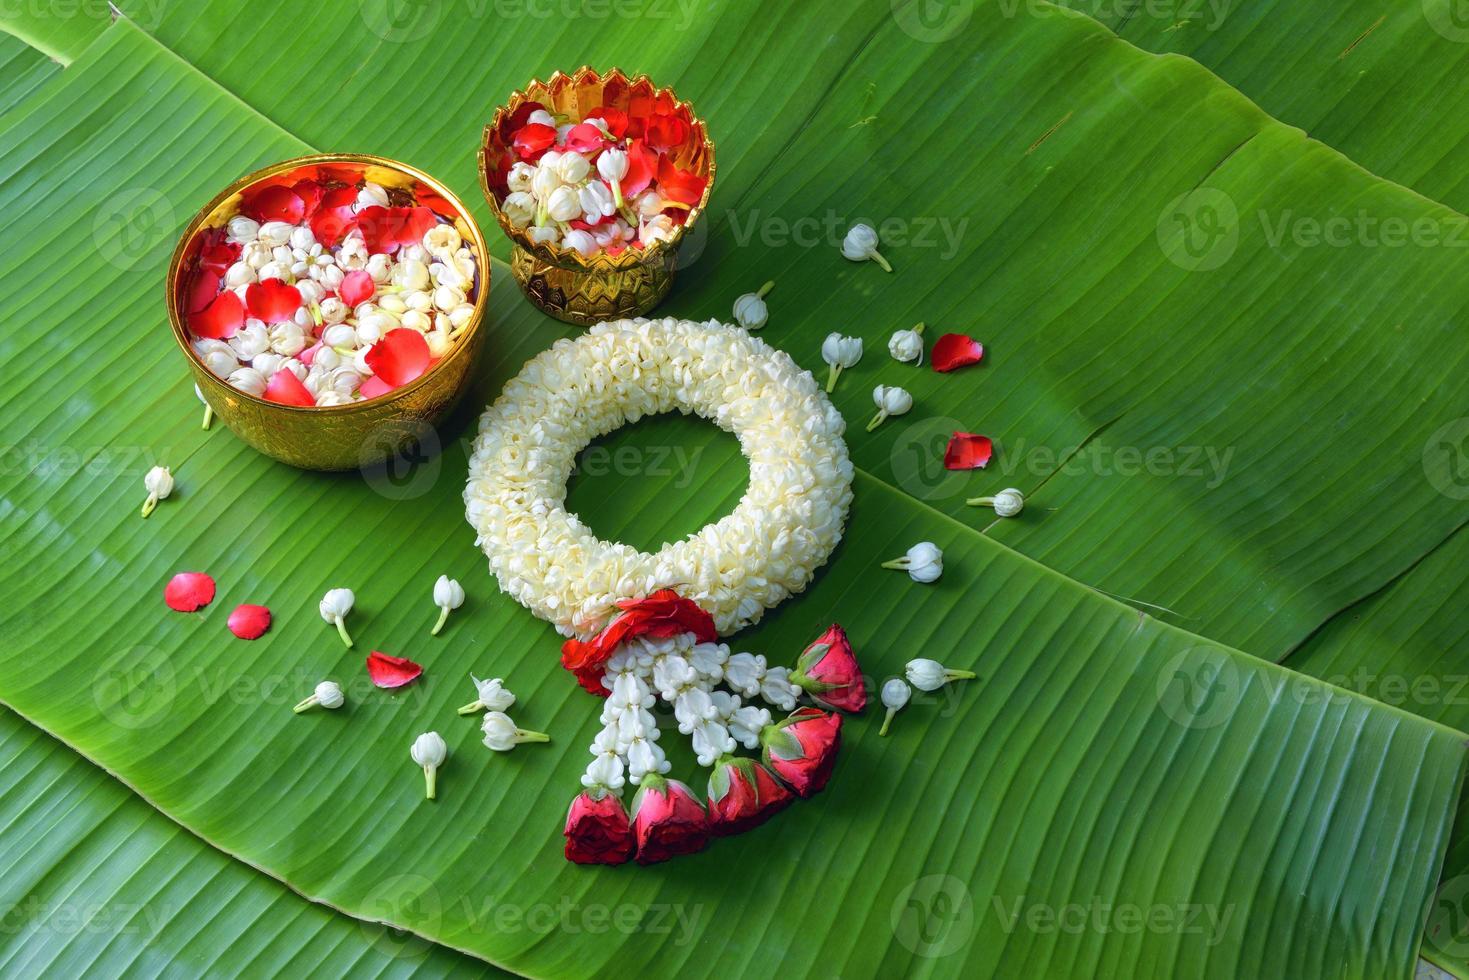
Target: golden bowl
{"type": "Point", "coordinates": [561, 281]}
{"type": "Point", "coordinates": [335, 437]}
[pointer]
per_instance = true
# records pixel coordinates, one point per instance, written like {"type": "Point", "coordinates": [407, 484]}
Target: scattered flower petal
{"type": "Point", "coordinates": [202, 291]}
{"type": "Point", "coordinates": [275, 203]}
{"type": "Point", "coordinates": [968, 451]}
{"type": "Point", "coordinates": [272, 300]}
{"type": "Point", "coordinates": [249, 622]}
{"type": "Point", "coordinates": [400, 357]}
{"type": "Point", "coordinates": [221, 319]}
{"type": "Point", "coordinates": [391, 672]}
{"type": "Point", "coordinates": [286, 389]}
{"type": "Point", "coordinates": [335, 217]}
{"type": "Point", "coordinates": [955, 350]}
{"type": "Point", "coordinates": [387, 229]}
{"type": "Point", "coordinates": [357, 288]}
{"type": "Point", "coordinates": [534, 139]}
{"type": "Point", "coordinates": [189, 591]}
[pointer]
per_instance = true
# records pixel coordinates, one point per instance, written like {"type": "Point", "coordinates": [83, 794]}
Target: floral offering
{"type": "Point", "coordinates": [602, 182]}
{"type": "Point", "coordinates": [322, 293]}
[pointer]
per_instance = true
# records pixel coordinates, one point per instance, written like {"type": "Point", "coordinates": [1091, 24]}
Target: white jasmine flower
{"type": "Point", "coordinates": [158, 481]}
{"type": "Point", "coordinates": [746, 723]}
{"type": "Point", "coordinates": [328, 694]}
{"type": "Point", "coordinates": [895, 694]}
{"type": "Point", "coordinates": [448, 595]}
{"type": "Point", "coordinates": [372, 195]}
{"type": "Point", "coordinates": [370, 328]}
{"type": "Point", "coordinates": [239, 274]}
{"type": "Point", "coordinates": [743, 673]}
{"type": "Point", "coordinates": [596, 201]}
{"type": "Point", "coordinates": [429, 751]}
{"type": "Point", "coordinates": [519, 178]}
{"type": "Point", "coordinates": [907, 345]}
{"type": "Point", "coordinates": [294, 366]}
{"type": "Point", "coordinates": [222, 363]}
{"type": "Point", "coordinates": [612, 166]}
{"type": "Point", "coordinates": [255, 254]}
{"type": "Point", "coordinates": [492, 696]}
{"type": "Point", "coordinates": [335, 606]}
{"type": "Point", "coordinates": [333, 310]}
{"type": "Point", "coordinates": [248, 380]}
{"type": "Point", "coordinates": [542, 118]}
{"type": "Point", "coordinates": [251, 340]}
{"type": "Point", "coordinates": [924, 562]}
{"type": "Point", "coordinates": [329, 397]}
{"type": "Point", "coordinates": [545, 181]}
{"type": "Point", "coordinates": [564, 204]}
{"type": "Point", "coordinates": [750, 311]}
{"type": "Point", "coordinates": [502, 735]}
{"type": "Point", "coordinates": [352, 253]}
{"type": "Point", "coordinates": [276, 234]}
{"type": "Point", "coordinates": [287, 339]}
{"type": "Point", "coordinates": [242, 230]}
{"type": "Point", "coordinates": [573, 168]}
{"type": "Point", "coordinates": [890, 400]}
{"type": "Point", "coordinates": [343, 380]}
{"type": "Point", "coordinates": [415, 320]}
{"type": "Point", "coordinates": [410, 274]}
{"type": "Point", "coordinates": [268, 364]}
{"type": "Point", "coordinates": [303, 238]}
{"type": "Point", "coordinates": [442, 239]}
{"type": "Point", "coordinates": [581, 241]}
{"type": "Point", "coordinates": [860, 244]}
{"type": "Point", "coordinates": [1007, 503]}
{"type": "Point", "coordinates": [447, 298]}
{"type": "Point", "coordinates": [839, 353]}
{"type": "Point", "coordinates": [544, 234]}
{"type": "Point", "coordinates": [659, 228]}
{"type": "Point", "coordinates": [930, 675]}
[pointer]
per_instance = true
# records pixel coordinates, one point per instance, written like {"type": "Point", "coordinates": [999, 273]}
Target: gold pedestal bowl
{"type": "Point", "coordinates": [337, 437]}
{"type": "Point", "coordinates": [561, 281]}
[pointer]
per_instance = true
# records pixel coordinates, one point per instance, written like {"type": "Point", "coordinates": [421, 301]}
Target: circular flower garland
{"type": "Point", "coordinates": [768, 548]}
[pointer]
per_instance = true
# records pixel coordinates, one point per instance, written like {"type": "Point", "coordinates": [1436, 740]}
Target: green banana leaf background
{"type": "Point", "coordinates": [1241, 443]}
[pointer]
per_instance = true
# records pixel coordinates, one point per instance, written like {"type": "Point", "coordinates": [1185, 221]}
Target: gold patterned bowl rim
{"type": "Point", "coordinates": [570, 257]}
{"type": "Point", "coordinates": [216, 214]}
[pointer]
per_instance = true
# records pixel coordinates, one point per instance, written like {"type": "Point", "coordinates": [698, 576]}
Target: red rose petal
{"type": "Point", "coordinates": [385, 229]}
{"type": "Point", "coordinates": [399, 357]}
{"type": "Point", "coordinates": [335, 217]}
{"type": "Point", "coordinates": [274, 204]}
{"type": "Point", "coordinates": [666, 132]}
{"type": "Point", "coordinates": [309, 354]}
{"type": "Point", "coordinates": [311, 194]}
{"type": "Point", "coordinates": [372, 387]}
{"type": "Point", "coordinates": [642, 167]}
{"type": "Point", "coordinates": [357, 287]}
{"type": "Point", "coordinates": [272, 300]}
{"type": "Point", "coordinates": [518, 118]}
{"type": "Point", "coordinates": [615, 119]}
{"type": "Point", "coordinates": [533, 139]}
{"type": "Point", "coordinates": [189, 591]}
{"type": "Point", "coordinates": [683, 186]}
{"type": "Point", "coordinates": [391, 672]}
{"type": "Point", "coordinates": [219, 256]}
{"type": "Point", "coordinates": [584, 138]}
{"type": "Point", "coordinates": [249, 622]}
{"type": "Point", "coordinates": [286, 389]}
{"type": "Point", "coordinates": [202, 290]}
{"type": "Point", "coordinates": [955, 350]}
{"type": "Point", "coordinates": [968, 451]}
{"type": "Point", "coordinates": [221, 319]}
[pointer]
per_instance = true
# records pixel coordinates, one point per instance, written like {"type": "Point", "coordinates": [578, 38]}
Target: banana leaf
{"type": "Point", "coordinates": [1335, 70]}
{"type": "Point", "coordinates": [1020, 615]}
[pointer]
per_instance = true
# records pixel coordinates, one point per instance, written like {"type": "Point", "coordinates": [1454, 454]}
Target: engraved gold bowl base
{"type": "Point", "coordinates": [561, 282]}
{"type": "Point", "coordinates": [362, 434]}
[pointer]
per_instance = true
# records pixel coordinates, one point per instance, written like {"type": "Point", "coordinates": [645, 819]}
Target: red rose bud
{"type": "Point", "coordinates": [802, 749]}
{"type": "Point", "coordinates": [667, 820]}
{"type": "Point", "coordinates": [597, 831]}
{"type": "Point", "coordinates": [743, 794]}
{"type": "Point", "coordinates": [828, 671]}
